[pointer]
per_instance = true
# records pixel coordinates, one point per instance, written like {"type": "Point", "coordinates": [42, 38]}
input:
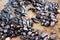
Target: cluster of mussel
{"type": "Point", "coordinates": [13, 21]}
{"type": "Point", "coordinates": [45, 12]}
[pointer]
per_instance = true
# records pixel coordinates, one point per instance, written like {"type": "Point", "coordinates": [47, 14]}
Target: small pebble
{"type": "Point", "coordinates": [8, 38]}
